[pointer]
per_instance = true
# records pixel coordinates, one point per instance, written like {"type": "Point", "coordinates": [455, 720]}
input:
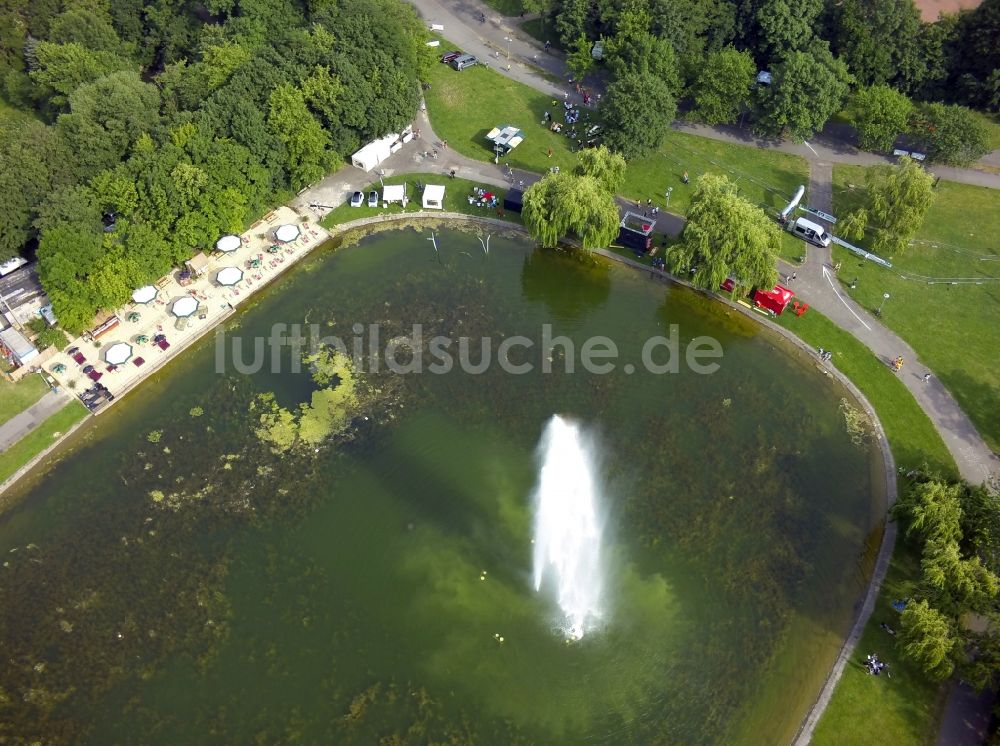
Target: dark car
{"type": "Point", "coordinates": [357, 199]}
{"type": "Point", "coordinates": [450, 56]}
{"type": "Point", "coordinates": [463, 61]}
{"type": "Point", "coordinates": [373, 198]}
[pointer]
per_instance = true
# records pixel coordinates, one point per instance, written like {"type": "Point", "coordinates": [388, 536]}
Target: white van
{"type": "Point", "coordinates": [810, 232]}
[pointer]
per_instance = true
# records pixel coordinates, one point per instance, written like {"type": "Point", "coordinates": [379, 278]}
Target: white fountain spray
{"type": "Point", "coordinates": [568, 526]}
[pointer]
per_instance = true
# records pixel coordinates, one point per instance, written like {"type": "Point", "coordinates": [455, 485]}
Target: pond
{"type": "Point", "coordinates": [175, 578]}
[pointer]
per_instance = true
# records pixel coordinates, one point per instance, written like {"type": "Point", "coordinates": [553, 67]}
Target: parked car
{"type": "Point", "coordinates": [450, 56]}
{"type": "Point", "coordinates": [463, 61]}
{"type": "Point", "coordinates": [810, 232]}
{"type": "Point", "coordinates": [357, 199]}
{"type": "Point", "coordinates": [373, 198]}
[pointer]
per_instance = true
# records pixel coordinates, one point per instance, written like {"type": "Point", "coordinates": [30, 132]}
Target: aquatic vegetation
{"type": "Point", "coordinates": [858, 423]}
{"type": "Point", "coordinates": [352, 574]}
{"type": "Point", "coordinates": [327, 414]}
{"type": "Point", "coordinates": [196, 412]}
{"type": "Point", "coordinates": [154, 436]}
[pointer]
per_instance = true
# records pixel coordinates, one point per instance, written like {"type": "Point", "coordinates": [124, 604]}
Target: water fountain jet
{"type": "Point", "coordinates": [568, 526]}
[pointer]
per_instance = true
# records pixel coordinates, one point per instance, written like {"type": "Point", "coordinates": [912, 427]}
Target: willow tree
{"type": "Point", "coordinates": [898, 199]}
{"type": "Point", "coordinates": [561, 204]}
{"type": "Point", "coordinates": [726, 236]}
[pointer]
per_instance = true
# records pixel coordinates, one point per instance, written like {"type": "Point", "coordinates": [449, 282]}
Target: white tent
{"type": "Point", "coordinates": [145, 294]}
{"type": "Point", "coordinates": [287, 233]}
{"type": "Point", "coordinates": [394, 193]}
{"type": "Point", "coordinates": [228, 243]}
{"type": "Point", "coordinates": [118, 353]}
{"type": "Point", "coordinates": [229, 276]}
{"type": "Point", "coordinates": [374, 153]}
{"type": "Point", "coordinates": [184, 307]}
{"type": "Point", "coordinates": [434, 197]}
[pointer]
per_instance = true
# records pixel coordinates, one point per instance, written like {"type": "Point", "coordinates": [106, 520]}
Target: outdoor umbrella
{"type": "Point", "coordinates": [287, 233]}
{"type": "Point", "coordinates": [228, 243]}
{"type": "Point", "coordinates": [229, 276]}
{"type": "Point", "coordinates": [87, 368]}
{"type": "Point", "coordinates": [134, 317]}
{"type": "Point", "coordinates": [273, 249]}
{"type": "Point", "coordinates": [58, 368]}
{"type": "Point", "coordinates": [141, 339]}
{"type": "Point", "coordinates": [118, 353]}
{"type": "Point", "coordinates": [184, 307]}
{"type": "Point", "coordinates": [145, 294]}
{"type": "Point", "coordinates": [254, 263]}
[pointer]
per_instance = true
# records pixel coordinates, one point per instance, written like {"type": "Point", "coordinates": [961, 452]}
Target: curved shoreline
{"type": "Point", "coordinates": [376, 223]}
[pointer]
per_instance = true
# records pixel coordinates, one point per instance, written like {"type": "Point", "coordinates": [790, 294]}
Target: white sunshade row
{"type": "Point", "coordinates": [185, 307]}
{"type": "Point", "coordinates": [287, 232]}
{"type": "Point", "coordinates": [228, 243]}
{"type": "Point", "coordinates": [229, 276]}
{"type": "Point", "coordinates": [144, 294]}
{"type": "Point", "coordinates": [118, 353]}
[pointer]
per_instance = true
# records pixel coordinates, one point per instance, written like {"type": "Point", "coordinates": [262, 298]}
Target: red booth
{"type": "Point", "coordinates": [773, 300]}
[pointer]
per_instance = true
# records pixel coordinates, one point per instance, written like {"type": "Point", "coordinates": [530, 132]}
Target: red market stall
{"type": "Point", "coordinates": [773, 300]}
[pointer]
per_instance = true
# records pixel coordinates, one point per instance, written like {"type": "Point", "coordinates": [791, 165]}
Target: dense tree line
{"type": "Point", "coordinates": [708, 53]}
{"type": "Point", "coordinates": [183, 119]}
{"type": "Point", "coordinates": [952, 621]}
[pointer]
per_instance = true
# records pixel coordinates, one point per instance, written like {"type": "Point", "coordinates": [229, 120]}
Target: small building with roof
{"type": "Point", "coordinates": [433, 197]}
{"type": "Point", "coordinates": [635, 232]}
{"type": "Point", "coordinates": [16, 348]}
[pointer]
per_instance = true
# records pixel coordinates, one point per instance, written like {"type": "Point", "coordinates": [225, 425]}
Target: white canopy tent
{"type": "Point", "coordinates": [229, 276]}
{"type": "Point", "coordinates": [374, 153]}
{"type": "Point", "coordinates": [228, 243]}
{"type": "Point", "coordinates": [394, 193]}
{"type": "Point", "coordinates": [434, 197]}
{"type": "Point", "coordinates": [184, 307]}
{"type": "Point", "coordinates": [287, 232]}
{"type": "Point", "coordinates": [145, 294]}
{"type": "Point", "coordinates": [118, 353]}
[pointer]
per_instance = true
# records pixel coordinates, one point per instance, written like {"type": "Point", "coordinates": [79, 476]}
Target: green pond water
{"type": "Point", "coordinates": [171, 580]}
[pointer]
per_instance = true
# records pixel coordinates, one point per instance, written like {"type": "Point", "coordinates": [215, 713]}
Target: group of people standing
{"type": "Point", "coordinates": [874, 666]}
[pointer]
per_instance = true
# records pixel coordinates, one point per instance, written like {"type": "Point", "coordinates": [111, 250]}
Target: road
{"type": "Point", "coordinates": [23, 423]}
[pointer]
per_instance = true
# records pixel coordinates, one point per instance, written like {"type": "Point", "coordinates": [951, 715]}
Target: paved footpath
{"type": "Point", "coordinates": [23, 423]}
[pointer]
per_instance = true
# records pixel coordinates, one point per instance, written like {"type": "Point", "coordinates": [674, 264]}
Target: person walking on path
{"type": "Point", "coordinates": [927, 377]}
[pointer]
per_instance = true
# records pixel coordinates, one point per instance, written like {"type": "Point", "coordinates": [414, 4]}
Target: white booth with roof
{"type": "Point", "coordinates": [392, 193]}
{"type": "Point", "coordinates": [434, 197]}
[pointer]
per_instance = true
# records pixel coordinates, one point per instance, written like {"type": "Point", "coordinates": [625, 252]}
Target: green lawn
{"type": "Point", "coordinates": [456, 194]}
{"type": "Point", "coordinates": [902, 709]}
{"type": "Point", "coordinates": [465, 105]}
{"type": "Point", "coordinates": [40, 438]}
{"type": "Point", "coordinates": [506, 7]}
{"type": "Point", "coordinates": [955, 328]}
{"type": "Point", "coordinates": [16, 397]}
{"type": "Point", "coordinates": [911, 434]}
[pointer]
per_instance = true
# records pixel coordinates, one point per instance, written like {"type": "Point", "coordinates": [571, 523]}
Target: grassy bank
{"type": "Point", "coordinates": [902, 709]}
{"type": "Point", "coordinates": [905, 708]}
{"type": "Point", "coordinates": [456, 199]}
{"type": "Point", "coordinates": [911, 434]}
{"type": "Point", "coordinates": [954, 328]}
{"type": "Point", "coordinates": [16, 397]}
{"type": "Point", "coordinates": [40, 438]}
